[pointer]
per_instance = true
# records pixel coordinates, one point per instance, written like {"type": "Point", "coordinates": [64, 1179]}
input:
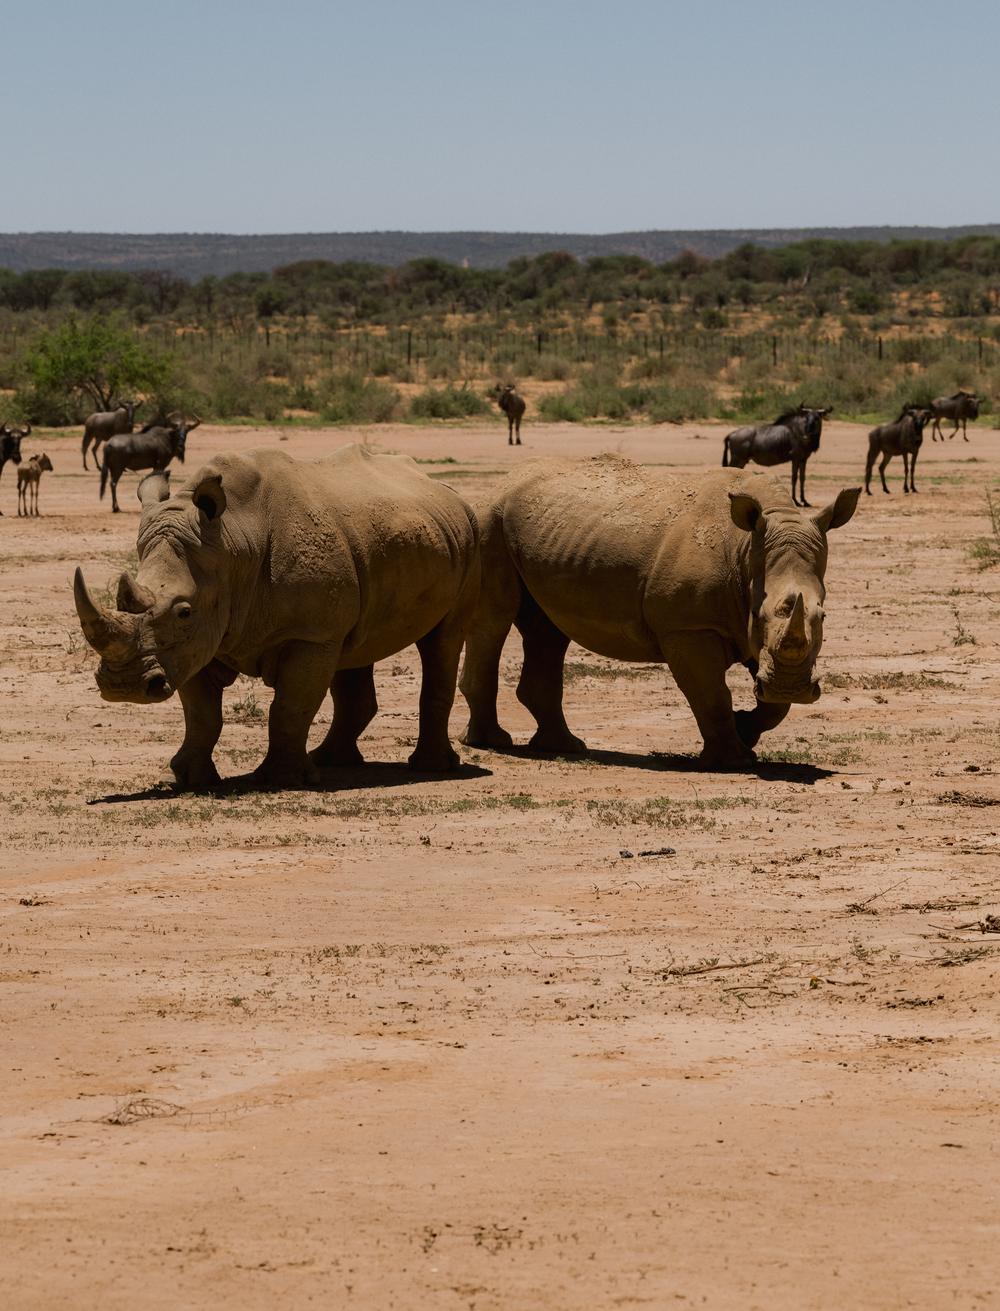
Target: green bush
{"type": "Point", "coordinates": [352, 398]}
{"type": "Point", "coordinates": [448, 403]}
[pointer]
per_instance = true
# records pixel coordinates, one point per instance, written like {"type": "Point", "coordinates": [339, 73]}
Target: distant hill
{"type": "Point", "coordinates": [196, 254]}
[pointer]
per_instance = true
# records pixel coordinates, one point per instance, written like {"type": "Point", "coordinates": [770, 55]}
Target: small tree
{"type": "Point", "coordinates": [91, 358]}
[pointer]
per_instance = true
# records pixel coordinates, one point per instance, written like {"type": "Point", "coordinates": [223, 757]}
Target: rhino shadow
{"type": "Point", "coordinates": [372, 774]}
{"type": "Point", "coordinates": [666, 762]}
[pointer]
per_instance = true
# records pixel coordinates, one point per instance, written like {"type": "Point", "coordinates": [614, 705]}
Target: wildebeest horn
{"type": "Point", "coordinates": [795, 630]}
{"type": "Point", "coordinates": [104, 631]}
{"type": "Point", "coordinates": [133, 598]}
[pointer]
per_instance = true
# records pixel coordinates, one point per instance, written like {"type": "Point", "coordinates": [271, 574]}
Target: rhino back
{"type": "Point", "coordinates": [356, 547]}
{"type": "Point", "coordinates": [616, 555]}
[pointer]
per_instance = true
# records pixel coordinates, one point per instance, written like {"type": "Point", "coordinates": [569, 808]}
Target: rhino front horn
{"type": "Point", "coordinates": [101, 629]}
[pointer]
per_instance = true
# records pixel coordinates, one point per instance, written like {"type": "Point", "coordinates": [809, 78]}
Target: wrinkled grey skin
{"type": "Point", "coordinates": [699, 572]}
{"type": "Point", "coordinates": [793, 436]}
{"type": "Point", "coordinates": [152, 448]}
{"type": "Point", "coordinates": [304, 575]}
{"type": "Point", "coordinates": [904, 437]}
{"type": "Point", "coordinates": [513, 405]}
{"type": "Point", "coordinates": [101, 425]}
{"type": "Point", "coordinates": [959, 409]}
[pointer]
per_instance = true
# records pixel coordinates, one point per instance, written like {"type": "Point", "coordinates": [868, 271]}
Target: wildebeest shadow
{"type": "Point", "coordinates": [372, 774]}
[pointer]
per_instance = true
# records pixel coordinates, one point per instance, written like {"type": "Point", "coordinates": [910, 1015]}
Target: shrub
{"type": "Point", "coordinates": [352, 398]}
{"type": "Point", "coordinates": [447, 403]}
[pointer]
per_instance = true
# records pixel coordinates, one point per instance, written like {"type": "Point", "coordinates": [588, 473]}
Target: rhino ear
{"type": "Point", "coordinates": [746, 510]}
{"type": "Point", "coordinates": [837, 514]}
{"type": "Point", "coordinates": [209, 496]}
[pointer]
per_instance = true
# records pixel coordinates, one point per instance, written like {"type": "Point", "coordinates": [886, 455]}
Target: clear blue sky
{"type": "Point", "coordinates": [319, 115]}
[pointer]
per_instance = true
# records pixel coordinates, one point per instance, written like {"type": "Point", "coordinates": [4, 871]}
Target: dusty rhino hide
{"type": "Point", "coordinates": [700, 572]}
{"type": "Point", "coordinates": [302, 574]}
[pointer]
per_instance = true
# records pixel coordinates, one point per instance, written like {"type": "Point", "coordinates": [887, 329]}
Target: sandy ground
{"type": "Point", "coordinates": [442, 1043]}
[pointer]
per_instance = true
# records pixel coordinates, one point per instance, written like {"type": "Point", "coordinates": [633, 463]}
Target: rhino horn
{"type": "Point", "coordinates": [133, 598]}
{"type": "Point", "coordinates": [794, 637]}
{"type": "Point", "coordinates": [107, 633]}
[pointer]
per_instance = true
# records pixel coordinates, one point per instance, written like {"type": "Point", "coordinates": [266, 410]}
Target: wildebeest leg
{"type": "Point", "coordinates": [540, 687]}
{"type": "Point", "coordinates": [870, 465]}
{"type": "Point", "coordinates": [750, 724]}
{"type": "Point", "coordinates": [802, 484]}
{"type": "Point", "coordinates": [965, 435]}
{"type": "Point", "coordinates": [881, 471]}
{"type": "Point", "coordinates": [906, 472]}
{"type": "Point", "coordinates": [698, 662]}
{"type": "Point", "coordinates": [517, 424]}
{"type": "Point", "coordinates": [936, 430]}
{"type": "Point", "coordinates": [439, 655]}
{"type": "Point", "coordinates": [201, 698]}
{"type": "Point", "coordinates": [355, 705]}
{"type": "Point", "coordinates": [795, 471]}
{"type": "Point", "coordinates": [913, 470]}
{"type": "Point", "coordinates": [303, 675]}
{"type": "Point", "coordinates": [115, 507]}
{"type": "Point", "coordinates": [491, 621]}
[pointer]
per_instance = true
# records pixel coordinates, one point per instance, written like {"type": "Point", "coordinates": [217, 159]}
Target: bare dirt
{"type": "Point", "coordinates": [410, 1042]}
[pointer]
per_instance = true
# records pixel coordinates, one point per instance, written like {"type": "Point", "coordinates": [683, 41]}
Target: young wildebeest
{"type": "Point", "coordinates": [10, 444]}
{"type": "Point", "coordinates": [153, 448]}
{"type": "Point", "coordinates": [960, 408]}
{"type": "Point", "coordinates": [903, 437]}
{"type": "Point", "coordinates": [29, 475]}
{"type": "Point", "coordinates": [513, 406]}
{"type": "Point", "coordinates": [107, 423]}
{"type": "Point", "coordinates": [793, 436]}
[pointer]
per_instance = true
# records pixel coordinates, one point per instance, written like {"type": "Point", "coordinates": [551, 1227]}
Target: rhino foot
{"type": "Point", "coordinates": [493, 739]}
{"type": "Point", "coordinates": [557, 742]}
{"type": "Point", "coordinates": [194, 774]}
{"type": "Point", "coordinates": [434, 760]}
{"type": "Point", "coordinates": [724, 759]}
{"type": "Point", "coordinates": [286, 772]}
{"type": "Point", "coordinates": [346, 756]}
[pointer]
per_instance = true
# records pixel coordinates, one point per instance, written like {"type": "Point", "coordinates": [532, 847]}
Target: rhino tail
{"type": "Point", "coordinates": [725, 452]}
{"type": "Point", "coordinates": [104, 475]}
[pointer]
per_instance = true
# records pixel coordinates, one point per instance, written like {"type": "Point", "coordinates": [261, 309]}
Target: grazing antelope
{"type": "Point", "coordinates": [513, 406]}
{"type": "Point", "coordinates": [29, 475]}
{"type": "Point", "coordinates": [960, 408]}
{"type": "Point", "coordinates": [793, 436]}
{"type": "Point", "coordinates": [902, 437]}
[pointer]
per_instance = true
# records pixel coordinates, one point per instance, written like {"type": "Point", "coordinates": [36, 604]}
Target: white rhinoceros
{"type": "Point", "coordinates": [700, 571]}
{"type": "Point", "coordinates": [302, 574]}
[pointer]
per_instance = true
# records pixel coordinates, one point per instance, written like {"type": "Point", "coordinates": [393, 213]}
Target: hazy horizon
{"type": "Point", "coordinates": [319, 117]}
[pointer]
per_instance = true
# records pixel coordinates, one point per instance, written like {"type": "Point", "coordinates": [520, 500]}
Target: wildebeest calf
{"type": "Point", "coordinates": [513, 406]}
{"type": "Point", "coordinates": [793, 436]}
{"type": "Point", "coordinates": [904, 436]}
{"type": "Point", "coordinates": [29, 475]}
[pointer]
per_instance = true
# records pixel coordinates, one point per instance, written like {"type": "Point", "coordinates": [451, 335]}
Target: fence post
{"type": "Point", "coordinates": [409, 346]}
{"type": "Point", "coordinates": [880, 347]}
{"type": "Point", "coordinates": [774, 351]}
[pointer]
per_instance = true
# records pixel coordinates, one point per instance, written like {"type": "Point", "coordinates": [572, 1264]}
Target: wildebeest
{"type": "Point", "coordinates": [107, 423]}
{"type": "Point", "coordinates": [904, 436]}
{"type": "Point", "coordinates": [10, 444]}
{"type": "Point", "coordinates": [960, 408]}
{"type": "Point", "coordinates": [513, 405]}
{"type": "Point", "coordinates": [793, 436]}
{"type": "Point", "coordinates": [29, 475]}
{"type": "Point", "coordinates": [153, 448]}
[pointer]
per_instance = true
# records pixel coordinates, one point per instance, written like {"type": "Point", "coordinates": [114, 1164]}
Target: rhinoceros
{"type": "Point", "coordinates": [302, 574]}
{"type": "Point", "coordinates": [700, 572]}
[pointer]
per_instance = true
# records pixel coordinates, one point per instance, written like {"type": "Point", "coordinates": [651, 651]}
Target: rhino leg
{"type": "Point", "coordinates": [491, 621]}
{"type": "Point", "coordinates": [303, 676]}
{"type": "Point", "coordinates": [355, 705]}
{"type": "Point", "coordinates": [750, 724]}
{"type": "Point", "coordinates": [698, 662]}
{"type": "Point", "coordinates": [439, 652]}
{"type": "Point", "coordinates": [201, 698]}
{"type": "Point", "coordinates": [540, 688]}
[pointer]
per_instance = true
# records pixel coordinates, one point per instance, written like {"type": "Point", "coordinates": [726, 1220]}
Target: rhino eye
{"type": "Point", "coordinates": [182, 610]}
